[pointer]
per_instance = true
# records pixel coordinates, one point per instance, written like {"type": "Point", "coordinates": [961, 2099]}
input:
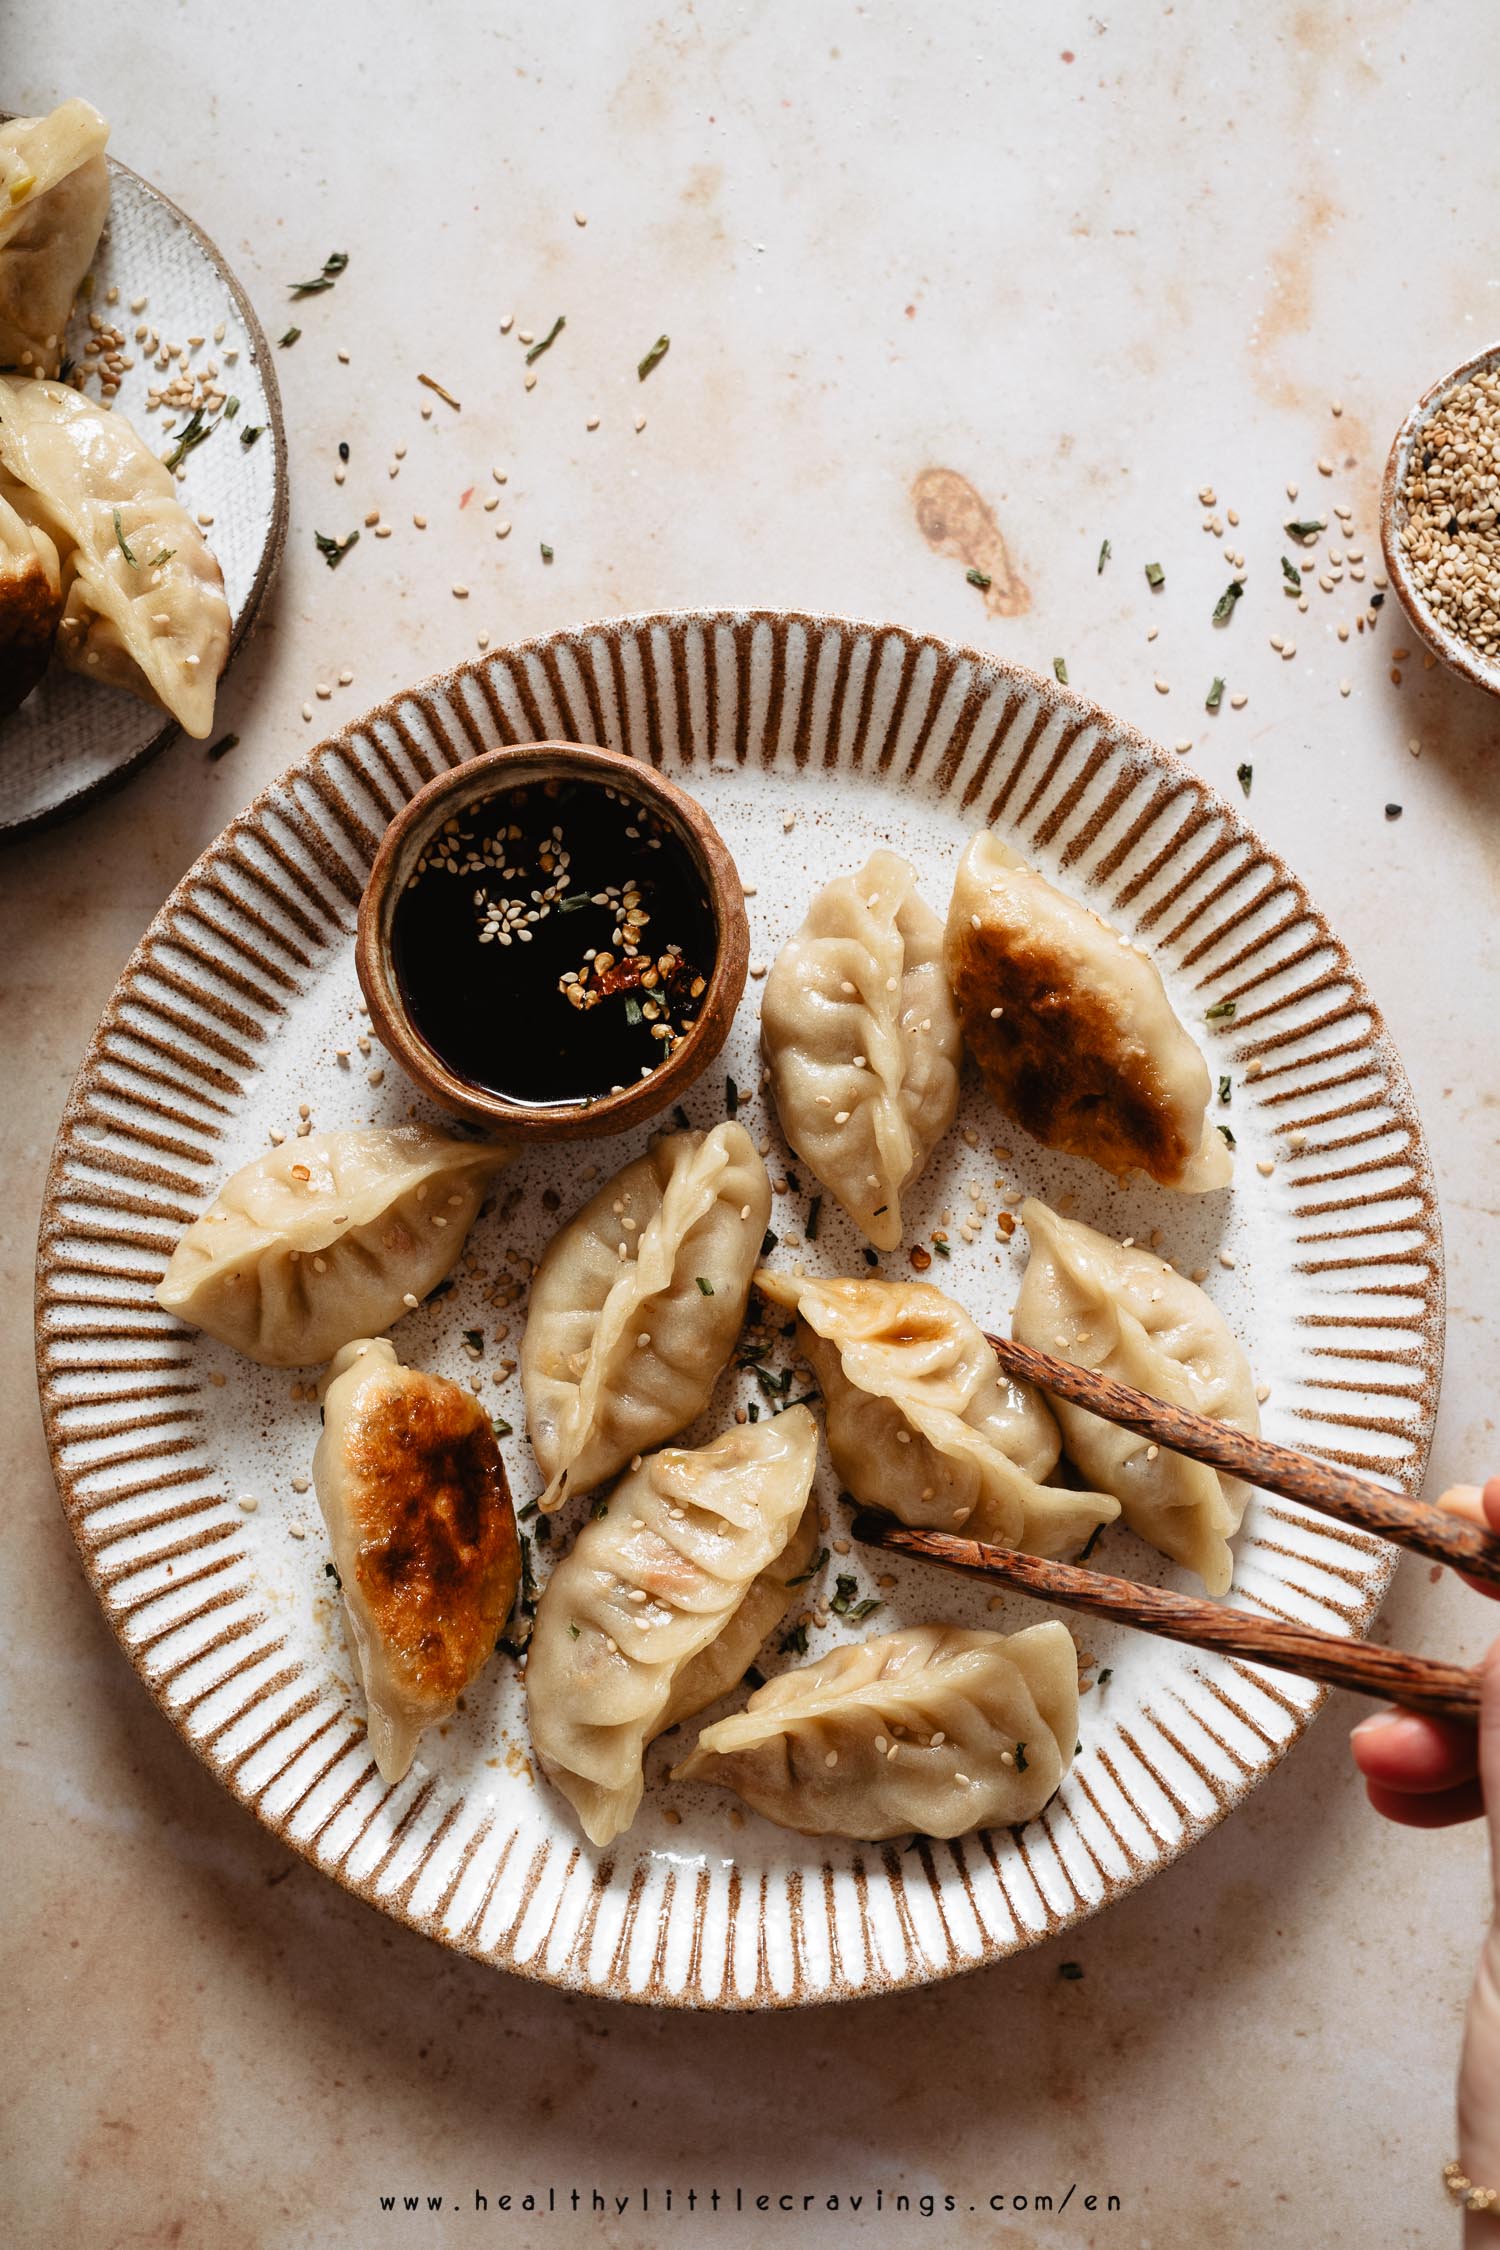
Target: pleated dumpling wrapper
{"type": "Point", "coordinates": [661, 1603]}
{"type": "Point", "coordinates": [143, 597]}
{"type": "Point", "coordinates": [31, 602]}
{"type": "Point", "coordinates": [931, 1732]}
{"type": "Point", "coordinates": [54, 199]}
{"type": "Point", "coordinates": [862, 1041]}
{"type": "Point", "coordinates": [923, 1422]}
{"type": "Point", "coordinates": [414, 1493]}
{"type": "Point", "coordinates": [637, 1304]}
{"type": "Point", "coordinates": [1072, 1029]}
{"type": "Point", "coordinates": [1123, 1311]}
{"type": "Point", "coordinates": [329, 1238]}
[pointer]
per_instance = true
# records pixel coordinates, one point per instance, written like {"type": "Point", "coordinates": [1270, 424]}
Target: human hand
{"type": "Point", "coordinates": [1430, 1773]}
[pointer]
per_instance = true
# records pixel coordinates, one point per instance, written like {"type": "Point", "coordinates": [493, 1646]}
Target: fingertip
{"type": "Point", "coordinates": [1490, 1502]}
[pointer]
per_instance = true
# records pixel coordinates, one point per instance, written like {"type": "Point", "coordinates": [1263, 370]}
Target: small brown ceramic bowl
{"type": "Point", "coordinates": [401, 848]}
{"type": "Point", "coordinates": [1454, 650]}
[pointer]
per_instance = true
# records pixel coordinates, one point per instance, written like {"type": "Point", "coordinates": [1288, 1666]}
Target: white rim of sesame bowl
{"type": "Point", "coordinates": [1459, 654]}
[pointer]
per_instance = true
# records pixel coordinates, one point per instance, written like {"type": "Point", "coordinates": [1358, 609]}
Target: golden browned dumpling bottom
{"type": "Point", "coordinates": [1053, 1058]}
{"type": "Point", "coordinates": [438, 1556]}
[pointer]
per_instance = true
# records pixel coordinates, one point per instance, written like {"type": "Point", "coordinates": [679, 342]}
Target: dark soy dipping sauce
{"type": "Point", "coordinates": [554, 943]}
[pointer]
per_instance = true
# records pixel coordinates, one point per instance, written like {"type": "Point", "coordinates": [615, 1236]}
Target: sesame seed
{"type": "Point", "coordinates": [460, 593]}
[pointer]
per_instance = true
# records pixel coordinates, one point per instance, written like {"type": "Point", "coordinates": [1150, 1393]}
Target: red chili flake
{"type": "Point", "coordinates": [468, 496]}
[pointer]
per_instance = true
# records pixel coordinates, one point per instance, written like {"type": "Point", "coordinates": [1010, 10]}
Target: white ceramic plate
{"type": "Point", "coordinates": [72, 738]}
{"type": "Point", "coordinates": [227, 1020]}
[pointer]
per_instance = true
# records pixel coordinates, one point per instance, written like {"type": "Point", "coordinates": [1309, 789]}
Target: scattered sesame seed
{"type": "Point", "coordinates": [346, 679]}
{"type": "Point", "coordinates": [580, 219]}
{"type": "Point", "coordinates": [307, 710]}
{"type": "Point", "coordinates": [1325, 467]}
{"type": "Point", "coordinates": [1226, 1261]}
{"type": "Point", "coordinates": [249, 1503]}
{"type": "Point", "coordinates": [640, 422]}
{"type": "Point", "coordinates": [460, 593]}
{"type": "Point", "coordinates": [592, 423]}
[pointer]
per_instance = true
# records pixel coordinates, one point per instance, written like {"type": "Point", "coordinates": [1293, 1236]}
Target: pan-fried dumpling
{"type": "Point", "coordinates": [143, 598]}
{"type": "Point", "coordinates": [636, 1305]}
{"type": "Point", "coordinates": [862, 1041]}
{"type": "Point", "coordinates": [923, 1422]}
{"type": "Point", "coordinates": [31, 603]}
{"type": "Point", "coordinates": [932, 1731]}
{"type": "Point", "coordinates": [414, 1494]}
{"type": "Point", "coordinates": [54, 198]}
{"type": "Point", "coordinates": [661, 1603]}
{"type": "Point", "coordinates": [1124, 1312]}
{"type": "Point", "coordinates": [328, 1238]}
{"type": "Point", "coordinates": [1072, 1029]}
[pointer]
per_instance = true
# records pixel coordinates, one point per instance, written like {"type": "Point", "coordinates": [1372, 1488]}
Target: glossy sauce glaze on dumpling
{"type": "Point", "coordinates": [1072, 1029]}
{"type": "Point", "coordinates": [54, 197]}
{"type": "Point", "coordinates": [328, 1238]}
{"type": "Point", "coordinates": [660, 1604]}
{"type": "Point", "coordinates": [143, 597]}
{"type": "Point", "coordinates": [1123, 1311]}
{"type": "Point", "coordinates": [862, 1042]}
{"type": "Point", "coordinates": [932, 1732]}
{"type": "Point", "coordinates": [415, 1496]}
{"type": "Point", "coordinates": [923, 1422]}
{"type": "Point", "coordinates": [637, 1303]}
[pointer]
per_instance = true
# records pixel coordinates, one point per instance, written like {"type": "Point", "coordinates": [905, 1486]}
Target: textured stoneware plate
{"type": "Point", "coordinates": [810, 741]}
{"type": "Point", "coordinates": [72, 738]}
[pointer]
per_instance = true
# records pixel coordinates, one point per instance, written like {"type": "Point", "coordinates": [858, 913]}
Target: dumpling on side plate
{"type": "Point", "coordinates": [661, 1603]}
{"type": "Point", "coordinates": [143, 598]}
{"type": "Point", "coordinates": [1124, 1312]}
{"type": "Point", "coordinates": [327, 1239]}
{"type": "Point", "coordinates": [31, 603]}
{"type": "Point", "coordinates": [922, 1420]}
{"type": "Point", "coordinates": [931, 1731]}
{"type": "Point", "coordinates": [414, 1494]}
{"type": "Point", "coordinates": [862, 1041]}
{"type": "Point", "coordinates": [637, 1303]}
{"type": "Point", "coordinates": [1071, 1026]}
{"type": "Point", "coordinates": [54, 198]}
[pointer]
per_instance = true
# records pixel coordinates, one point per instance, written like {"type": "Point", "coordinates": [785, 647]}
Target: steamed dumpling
{"type": "Point", "coordinates": [637, 1303]}
{"type": "Point", "coordinates": [932, 1731]}
{"type": "Point", "coordinates": [31, 603]}
{"type": "Point", "coordinates": [922, 1420]}
{"type": "Point", "coordinates": [414, 1494]}
{"type": "Point", "coordinates": [328, 1238]}
{"type": "Point", "coordinates": [1124, 1312]}
{"type": "Point", "coordinates": [862, 1041]}
{"type": "Point", "coordinates": [1072, 1028]}
{"type": "Point", "coordinates": [143, 598]}
{"type": "Point", "coordinates": [54, 198]}
{"type": "Point", "coordinates": [710, 1540]}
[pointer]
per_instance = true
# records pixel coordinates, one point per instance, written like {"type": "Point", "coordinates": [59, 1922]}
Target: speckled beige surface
{"type": "Point", "coordinates": [1128, 273]}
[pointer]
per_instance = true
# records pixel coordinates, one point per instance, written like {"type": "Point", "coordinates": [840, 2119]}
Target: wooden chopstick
{"type": "Point", "coordinates": [1420, 1683]}
{"type": "Point", "coordinates": [1296, 1476]}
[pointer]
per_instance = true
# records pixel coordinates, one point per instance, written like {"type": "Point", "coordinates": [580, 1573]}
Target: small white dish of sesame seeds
{"type": "Point", "coordinates": [160, 328]}
{"type": "Point", "coordinates": [1440, 518]}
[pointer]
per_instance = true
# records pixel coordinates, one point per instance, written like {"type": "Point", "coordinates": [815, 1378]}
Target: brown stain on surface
{"type": "Point", "coordinates": [956, 520]}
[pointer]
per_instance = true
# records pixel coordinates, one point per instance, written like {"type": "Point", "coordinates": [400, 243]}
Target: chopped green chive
{"type": "Point", "coordinates": [1220, 1012]}
{"type": "Point", "coordinates": [222, 747]}
{"type": "Point", "coordinates": [844, 1590]}
{"type": "Point", "coordinates": [193, 432]}
{"type": "Point", "coordinates": [1214, 697]}
{"type": "Point", "coordinates": [731, 1097]}
{"type": "Point", "coordinates": [654, 357]}
{"type": "Point", "coordinates": [546, 552]}
{"type": "Point", "coordinates": [812, 1569]}
{"type": "Point", "coordinates": [1104, 554]}
{"type": "Point", "coordinates": [500, 1426]}
{"type": "Point", "coordinates": [633, 1012]}
{"type": "Point", "coordinates": [333, 551]}
{"type": "Point", "coordinates": [599, 1510]}
{"type": "Point", "coordinates": [250, 433]}
{"type": "Point", "coordinates": [1228, 1136]}
{"type": "Point", "coordinates": [864, 1609]}
{"type": "Point", "coordinates": [572, 1630]}
{"type": "Point", "coordinates": [290, 337]}
{"type": "Point", "coordinates": [1224, 606]}
{"type": "Point", "coordinates": [1244, 775]}
{"type": "Point", "coordinates": [1226, 1088]}
{"type": "Point", "coordinates": [1305, 527]}
{"type": "Point", "coordinates": [980, 579]}
{"type": "Point", "coordinates": [546, 343]}
{"type": "Point", "coordinates": [333, 266]}
{"type": "Point", "coordinates": [942, 1248]}
{"type": "Point", "coordinates": [120, 542]}
{"type": "Point", "coordinates": [1021, 1759]}
{"type": "Point", "coordinates": [794, 1643]}
{"type": "Point", "coordinates": [231, 408]}
{"type": "Point", "coordinates": [1291, 575]}
{"type": "Point", "coordinates": [1155, 575]}
{"type": "Point", "coordinates": [705, 1285]}
{"type": "Point", "coordinates": [1060, 667]}
{"type": "Point", "coordinates": [814, 1217]}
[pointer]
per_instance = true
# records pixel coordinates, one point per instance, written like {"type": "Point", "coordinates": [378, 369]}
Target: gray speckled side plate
{"type": "Point", "coordinates": [810, 741]}
{"type": "Point", "coordinates": [72, 738]}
